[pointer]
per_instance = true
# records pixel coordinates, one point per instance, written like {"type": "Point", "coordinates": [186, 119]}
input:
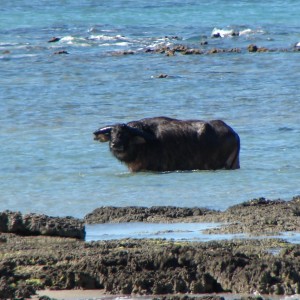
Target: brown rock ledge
{"type": "Point", "coordinates": [35, 224]}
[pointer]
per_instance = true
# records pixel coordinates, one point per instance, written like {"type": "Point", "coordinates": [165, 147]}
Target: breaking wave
{"type": "Point", "coordinates": [230, 32]}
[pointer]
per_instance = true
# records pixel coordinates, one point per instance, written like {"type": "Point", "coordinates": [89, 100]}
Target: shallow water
{"type": "Point", "coordinates": [175, 231]}
{"type": "Point", "coordinates": [99, 294]}
{"type": "Point", "coordinates": [194, 232]}
{"type": "Point", "coordinates": [50, 104]}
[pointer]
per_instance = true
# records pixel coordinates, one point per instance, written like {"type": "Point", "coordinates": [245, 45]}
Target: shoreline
{"type": "Point", "coordinates": [39, 252]}
{"type": "Point", "coordinates": [255, 217]}
{"type": "Point", "coordinates": [100, 294]}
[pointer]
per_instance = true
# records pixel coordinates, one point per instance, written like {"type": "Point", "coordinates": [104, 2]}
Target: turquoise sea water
{"type": "Point", "coordinates": [50, 104]}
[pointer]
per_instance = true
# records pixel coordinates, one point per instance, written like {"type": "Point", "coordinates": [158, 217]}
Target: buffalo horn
{"type": "Point", "coordinates": [103, 134]}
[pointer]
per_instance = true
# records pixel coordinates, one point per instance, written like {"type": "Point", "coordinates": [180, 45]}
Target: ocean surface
{"type": "Point", "coordinates": [50, 104]}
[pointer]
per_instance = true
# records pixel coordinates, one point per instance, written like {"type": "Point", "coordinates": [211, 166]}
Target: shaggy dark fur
{"type": "Point", "coordinates": [165, 144]}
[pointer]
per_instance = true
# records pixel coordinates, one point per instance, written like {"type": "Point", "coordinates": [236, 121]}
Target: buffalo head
{"type": "Point", "coordinates": [124, 140]}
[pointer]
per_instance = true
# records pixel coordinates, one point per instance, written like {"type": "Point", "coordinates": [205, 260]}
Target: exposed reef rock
{"type": "Point", "coordinates": [35, 224]}
{"type": "Point", "coordinates": [173, 50]}
{"type": "Point", "coordinates": [257, 216]}
{"type": "Point", "coordinates": [148, 266]}
{"type": "Point", "coordinates": [107, 214]}
{"type": "Point", "coordinates": [153, 267]}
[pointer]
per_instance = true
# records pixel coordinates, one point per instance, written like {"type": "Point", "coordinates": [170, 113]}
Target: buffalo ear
{"type": "Point", "coordinates": [103, 134]}
{"type": "Point", "coordinates": [139, 136]}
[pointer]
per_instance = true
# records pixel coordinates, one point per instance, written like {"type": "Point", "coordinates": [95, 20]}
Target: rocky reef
{"type": "Point", "coordinates": [36, 224]}
{"type": "Point", "coordinates": [52, 255]}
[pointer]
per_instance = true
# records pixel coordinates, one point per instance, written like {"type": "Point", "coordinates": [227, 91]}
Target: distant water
{"type": "Point", "coordinates": [50, 104]}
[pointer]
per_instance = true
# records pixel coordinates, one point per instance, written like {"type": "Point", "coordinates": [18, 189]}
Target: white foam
{"type": "Point", "coordinates": [222, 32]}
{"type": "Point", "coordinates": [4, 46]}
{"type": "Point", "coordinates": [246, 31]}
{"type": "Point", "coordinates": [231, 32]}
{"type": "Point", "coordinates": [103, 37]}
{"type": "Point", "coordinates": [67, 39]}
{"type": "Point", "coordinates": [71, 40]}
{"type": "Point", "coordinates": [95, 29]}
{"type": "Point", "coordinates": [158, 44]}
{"type": "Point", "coordinates": [18, 56]}
{"type": "Point", "coordinates": [8, 44]}
{"type": "Point", "coordinates": [249, 31]}
{"type": "Point", "coordinates": [122, 44]}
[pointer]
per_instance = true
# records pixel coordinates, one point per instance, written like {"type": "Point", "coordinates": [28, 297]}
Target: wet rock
{"type": "Point", "coordinates": [216, 35]}
{"type": "Point", "coordinates": [149, 50]}
{"type": "Point", "coordinates": [162, 50]}
{"type": "Point", "coordinates": [162, 76]}
{"type": "Point", "coordinates": [235, 50]}
{"type": "Point", "coordinates": [263, 49]}
{"type": "Point", "coordinates": [192, 51]}
{"type": "Point", "coordinates": [170, 53]}
{"type": "Point", "coordinates": [54, 40]}
{"type": "Point", "coordinates": [254, 48]}
{"type": "Point", "coordinates": [185, 50]}
{"type": "Point", "coordinates": [260, 217]}
{"type": "Point", "coordinates": [112, 214]}
{"type": "Point", "coordinates": [35, 224]}
{"type": "Point", "coordinates": [251, 298]}
{"type": "Point", "coordinates": [123, 52]}
{"type": "Point", "coordinates": [216, 50]}
{"type": "Point", "coordinates": [256, 202]}
{"type": "Point", "coordinates": [180, 48]}
{"type": "Point", "coordinates": [61, 52]}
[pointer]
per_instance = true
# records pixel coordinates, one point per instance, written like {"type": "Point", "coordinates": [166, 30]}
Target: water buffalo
{"type": "Point", "coordinates": [165, 144]}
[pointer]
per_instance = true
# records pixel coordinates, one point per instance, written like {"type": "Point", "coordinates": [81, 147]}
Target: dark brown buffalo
{"type": "Point", "coordinates": [165, 144]}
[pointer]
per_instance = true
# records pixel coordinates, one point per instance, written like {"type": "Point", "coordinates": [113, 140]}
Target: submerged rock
{"type": "Point", "coordinates": [162, 76]}
{"type": "Point", "coordinates": [61, 52]}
